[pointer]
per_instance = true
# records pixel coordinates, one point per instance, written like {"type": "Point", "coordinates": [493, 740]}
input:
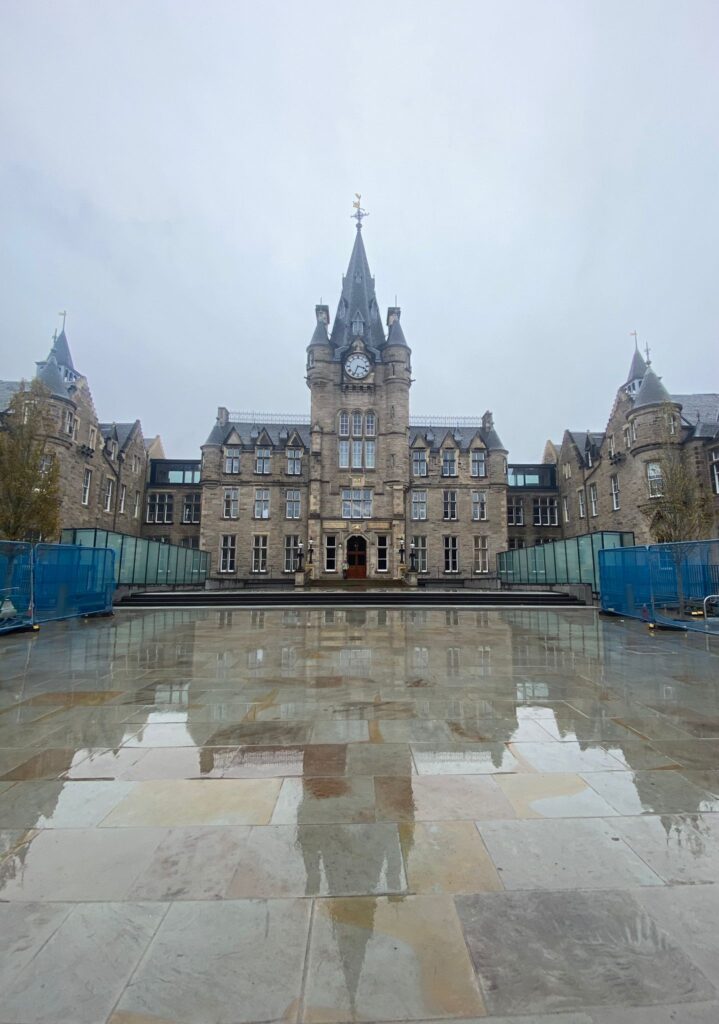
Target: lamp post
{"type": "Point", "coordinates": [300, 556]}
{"type": "Point", "coordinates": [310, 552]}
{"type": "Point", "coordinates": [412, 558]}
{"type": "Point", "coordinates": [401, 551]}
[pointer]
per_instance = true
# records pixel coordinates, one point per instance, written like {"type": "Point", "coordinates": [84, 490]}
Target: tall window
{"type": "Point", "coordinates": [481, 554]}
{"type": "Point", "coordinates": [331, 552]}
{"type": "Point", "coordinates": [451, 554]}
{"type": "Point", "coordinates": [655, 480]}
{"type": "Point", "coordinates": [263, 460]}
{"type": "Point", "coordinates": [714, 470]}
{"type": "Point", "coordinates": [159, 507]}
{"type": "Point", "coordinates": [449, 462]}
{"type": "Point", "coordinates": [292, 506]}
{"type": "Point", "coordinates": [565, 508]}
{"type": "Point", "coordinates": [382, 553]}
{"type": "Point", "coordinates": [344, 424]}
{"type": "Point", "coordinates": [123, 498]}
{"type": "Point", "coordinates": [479, 505]}
{"type": "Point", "coordinates": [69, 423]}
{"type": "Point", "coordinates": [356, 424]}
{"type": "Point", "coordinates": [292, 552]}
{"type": "Point", "coordinates": [231, 503]}
{"type": "Point", "coordinates": [515, 511]}
{"type": "Point", "coordinates": [615, 492]}
{"type": "Point", "coordinates": [356, 503]}
{"type": "Point", "coordinates": [419, 504]}
{"type": "Point", "coordinates": [419, 462]}
{"type": "Point", "coordinates": [567, 470]}
{"type": "Point", "coordinates": [228, 548]}
{"type": "Point", "coordinates": [262, 503]}
{"type": "Point", "coordinates": [191, 504]}
{"type": "Point", "coordinates": [92, 438]}
{"type": "Point", "coordinates": [294, 461]}
{"type": "Point", "coordinates": [593, 500]}
{"type": "Point", "coordinates": [136, 509]}
{"type": "Point", "coordinates": [109, 493]}
{"type": "Point", "coordinates": [610, 446]}
{"type": "Point", "coordinates": [86, 484]}
{"type": "Point", "coordinates": [344, 454]}
{"type": "Point", "coordinates": [588, 457]}
{"type": "Point", "coordinates": [370, 425]}
{"type": "Point", "coordinates": [357, 447]}
{"type": "Point", "coordinates": [627, 437]}
{"type": "Point", "coordinates": [450, 504]}
{"type": "Point", "coordinates": [479, 462]}
{"type": "Point", "coordinates": [369, 454]}
{"type": "Point", "coordinates": [545, 512]}
{"type": "Point", "coordinates": [420, 551]}
{"type": "Point", "coordinates": [581, 504]}
{"type": "Point", "coordinates": [259, 553]}
{"type": "Point", "coordinates": [232, 460]}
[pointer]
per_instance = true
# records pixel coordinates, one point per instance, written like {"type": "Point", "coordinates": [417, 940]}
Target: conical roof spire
{"type": "Point", "coordinates": [651, 391]}
{"type": "Point", "coordinates": [358, 312]}
{"type": "Point", "coordinates": [49, 374]}
{"type": "Point", "coordinates": [638, 367]}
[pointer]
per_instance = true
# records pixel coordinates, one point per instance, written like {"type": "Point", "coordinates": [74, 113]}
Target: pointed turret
{"type": "Point", "coordinates": [395, 334]}
{"type": "Point", "coordinates": [636, 371]}
{"type": "Point", "coordinates": [49, 374]}
{"type": "Point", "coordinates": [357, 312]}
{"type": "Point", "coordinates": [651, 391]}
{"type": "Point", "coordinates": [320, 335]}
{"type": "Point", "coordinates": [61, 351]}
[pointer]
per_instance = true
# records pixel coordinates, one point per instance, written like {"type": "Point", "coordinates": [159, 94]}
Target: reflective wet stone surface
{"type": "Point", "coordinates": [379, 815]}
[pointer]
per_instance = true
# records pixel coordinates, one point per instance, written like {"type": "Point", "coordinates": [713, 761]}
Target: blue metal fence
{"type": "Point", "coordinates": [146, 562]}
{"type": "Point", "coordinates": [563, 561]}
{"type": "Point", "coordinates": [664, 583]}
{"type": "Point", "coordinates": [53, 581]}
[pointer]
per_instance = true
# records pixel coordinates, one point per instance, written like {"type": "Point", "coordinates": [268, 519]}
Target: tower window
{"type": "Point", "coordinates": [344, 430]}
{"type": "Point", "coordinates": [358, 327]}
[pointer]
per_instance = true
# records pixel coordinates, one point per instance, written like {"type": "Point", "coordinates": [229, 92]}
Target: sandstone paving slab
{"type": "Point", "coordinates": [317, 860]}
{"type": "Point", "coordinates": [226, 962]}
{"type": "Point", "coordinates": [700, 754]}
{"type": "Point", "coordinates": [580, 853]}
{"type": "Point", "coordinates": [379, 759]}
{"type": "Point", "coordinates": [706, 779]}
{"type": "Point", "coordinates": [464, 758]}
{"type": "Point", "coordinates": [418, 730]}
{"type": "Point", "coordinates": [79, 973]}
{"type": "Point", "coordinates": [319, 760]}
{"type": "Point", "coordinates": [101, 763]}
{"type": "Point", "coordinates": [11, 757]}
{"type": "Point", "coordinates": [542, 952]}
{"type": "Point", "coordinates": [680, 848]}
{"type": "Point", "coordinates": [651, 792]}
{"type": "Point", "coordinates": [59, 803]}
{"type": "Point", "coordinates": [440, 798]}
{"type": "Point", "coordinates": [317, 801]}
{"type": "Point", "coordinates": [175, 802]}
{"type": "Point", "coordinates": [446, 857]}
{"type": "Point", "coordinates": [683, 1013]}
{"type": "Point", "coordinates": [157, 763]}
{"type": "Point", "coordinates": [690, 915]}
{"type": "Point", "coordinates": [565, 756]}
{"type": "Point", "coordinates": [24, 929]}
{"type": "Point", "coordinates": [554, 795]}
{"type": "Point", "coordinates": [53, 763]}
{"type": "Point", "coordinates": [260, 733]}
{"type": "Point", "coordinates": [173, 735]}
{"type": "Point", "coordinates": [340, 732]}
{"type": "Point", "coordinates": [76, 864]}
{"type": "Point", "coordinates": [388, 959]}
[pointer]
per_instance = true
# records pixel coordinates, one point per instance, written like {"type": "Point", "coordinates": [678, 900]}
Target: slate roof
{"type": "Point", "coordinates": [7, 389]}
{"type": "Point", "coordinates": [651, 391]}
{"type": "Point", "coordinates": [638, 367]}
{"type": "Point", "coordinates": [61, 351]}
{"type": "Point", "coordinates": [357, 299]}
{"type": "Point", "coordinates": [463, 436]}
{"type": "Point", "coordinates": [49, 374]}
{"type": "Point", "coordinates": [580, 438]}
{"type": "Point", "coordinates": [395, 335]}
{"type": "Point", "coordinates": [278, 433]}
{"type": "Point", "coordinates": [701, 413]}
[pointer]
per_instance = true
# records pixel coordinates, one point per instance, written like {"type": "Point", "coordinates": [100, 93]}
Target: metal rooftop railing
{"type": "Point", "coordinates": [252, 416]}
{"type": "Point", "coordinates": [445, 421]}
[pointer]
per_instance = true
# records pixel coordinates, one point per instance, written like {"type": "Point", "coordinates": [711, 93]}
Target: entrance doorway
{"type": "Point", "coordinates": [356, 558]}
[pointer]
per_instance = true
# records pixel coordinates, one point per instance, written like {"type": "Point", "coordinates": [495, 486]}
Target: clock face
{"type": "Point", "coordinates": [357, 366]}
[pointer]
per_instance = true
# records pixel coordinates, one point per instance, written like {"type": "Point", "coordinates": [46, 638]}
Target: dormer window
{"type": "Point", "coordinates": [419, 462]}
{"type": "Point", "coordinates": [589, 458]}
{"type": "Point", "coordinates": [449, 462]}
{"type": "Point", "coordinates": [358, 327]}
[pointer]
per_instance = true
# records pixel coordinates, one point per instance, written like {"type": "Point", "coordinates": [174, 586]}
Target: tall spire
{"type": "Point", "coordinates": [357, 311]}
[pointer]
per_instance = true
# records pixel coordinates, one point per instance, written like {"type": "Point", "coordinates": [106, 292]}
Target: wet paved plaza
{"type": "Point", "coordinates": [214, 817]}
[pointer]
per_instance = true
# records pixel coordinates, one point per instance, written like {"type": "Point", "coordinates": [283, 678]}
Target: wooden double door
{"type": "Point", "coordinates": [356, 558]}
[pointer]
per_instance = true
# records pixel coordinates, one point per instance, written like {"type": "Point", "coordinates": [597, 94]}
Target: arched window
{"type": "Point", "coordinates": [361, 452]}
{"type": "Point", "coordinates": [344, 424]}
{"type": "Point", "coordinates": [356, 424]}
{"type": "Point", "coordinates": [370, 424]}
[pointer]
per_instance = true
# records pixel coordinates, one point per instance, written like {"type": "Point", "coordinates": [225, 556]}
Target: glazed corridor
{"type": "Point", "coordinates": [372, 815]}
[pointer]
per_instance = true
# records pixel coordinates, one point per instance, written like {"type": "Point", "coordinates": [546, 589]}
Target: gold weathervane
{"type": "Point", "coordinates": [359, 212]}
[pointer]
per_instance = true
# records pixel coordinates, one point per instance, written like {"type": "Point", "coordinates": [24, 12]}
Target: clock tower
{"type": "Point", "coordinates": [359, 378]}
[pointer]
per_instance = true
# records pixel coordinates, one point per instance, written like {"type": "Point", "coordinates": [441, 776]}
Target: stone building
{"type": "Point", "coordinates": [359, 486]}
{"type": "Point", "coordinates": [102, 465]}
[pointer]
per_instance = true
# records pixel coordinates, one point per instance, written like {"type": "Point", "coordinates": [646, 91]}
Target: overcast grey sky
{"type": "Point", "coordinates": [542, 179]}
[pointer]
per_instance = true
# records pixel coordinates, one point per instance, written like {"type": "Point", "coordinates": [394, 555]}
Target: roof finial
{"type": "Point", "coordinates": [636, 343]}
{"type": "Point", "coordinates": [63, 314]}
{"type": "Point", "coordinates": [647, 350]}
{"type": "Point", "coordinates": [359, 212]}
{"type": "Point", "coordinates": [54, 336]}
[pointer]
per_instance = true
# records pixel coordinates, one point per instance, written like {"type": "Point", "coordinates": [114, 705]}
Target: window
{"type": "Point", "coordinates": [356, 424]}
{"type": "Point", "coordinates": [655, 480]}
{"type": "Point", "coordinates": [419, 462]}
{"type": "Point", "coordinates": [420, 551]}
{"type": "Point", "coordinates": [92, 438]}
{"type": "Point", "coordinates": [627, 437]}
{"type": "Point", "coordinates": [259, 553]}
{"type": "Point", "coordinates": [86, 483]}
{"type": "Point", "coordinates": [294, 461]}
{"type": "Point", "coordinates": [310, 360]}
{"type": "Point", "coordinates": [262, 460]}
{"type": "Point", "coordinates": [610, 446]}
{"type": "Point", "coordinates": [615, 492]}
{"type": "Point", "coordinates": [545, 512]}
{"type": "Point", "coordinates": [581, 503]}
{"type": "Point", "coordinates": [262, 503]}
{"type": "Point", "coordinates": [567, 470]}
{"type": "Point", "coordinates": [370, 425]}
{"type": "Point", "coordinates": [109, 493]}
{"type": "Point", "coordinates": [228, 548]}
{"type": "Point", "coordinates": [344, 427]}
{"type": "Point", "coordinates": [357, 455]}
{"type": "Point", "coordinates": [123, 496]}
{"type": "Point", "coordinates": [565, 509]}
{"type": "Point", "coordinates": [382, 553]}
{"type": "Point", "coordinates": [593, 501]}
{"type": "Point", "coordinates": [449, 462]}
{"type": "Point", "coordinates": [292, 504]}
{"type": "Point", "coordinates": [714, 470]}
{"type": "Point", "coordinates": [159, 507]}
{"type": "Point", "coordinates": [46, 462]}
{"type": "Point", "coordinates": [451, 554]}
{"type": "Point", "coordinates": [191, 504]}
{"type": "Point", "coordinates": [344, 454]}
{"type": "Point", "coordinates": [331, 552]}
{"type": "Point", "coordinates": [671, 423]}
{"type": "Point", "coordinates": [515, 543]}
{"type": "Point", "coordinates": [231, 503]}
{"type": "Point", "coordinates": [634, 430]}
{"type": "Point", "coordinates": [419, 504]}
{"type": "Point", "coordinates": [356, 503]}
{"type": "Point", "coordinates": [358, 327]}
{"type": "Point", "coordinates": [112, 449]}
{"type": "Point", "coordinates": [292, 552]}
{"type": "Point", "coordinates": [136, 464]}
{"type": "Point", "coordinates": [232, 460]}
{"type": "Point", "coordinates": [136, 508]}
{"type": "Point", "coordinates": [450, 504]}
{"type": "Point", "coordinates": [588, 457]}
{"type": "Point", "coordinates": [515, 511]}
{"type": "Point", "coordinates": [190, 542]}
{"type": "Point", "coordinates": [69, 423]}
{"type": "Point", "coordinates": [369, 454]}
{"type": "Point", "coordinates": [479, 462]}
{"type": "Point", "coordinates": [481, 554]}
{"type": "Point", "coordinates": [479, 505]}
